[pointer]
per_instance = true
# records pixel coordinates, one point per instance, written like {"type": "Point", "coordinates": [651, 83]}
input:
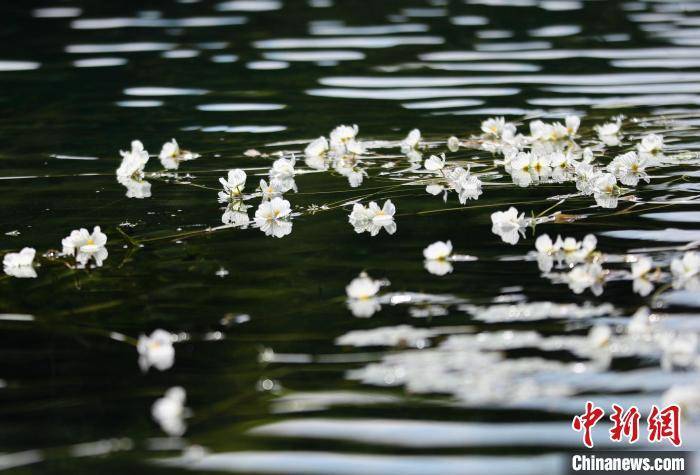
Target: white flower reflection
{"type": "Point", "coordinates": [170, 412]}
{"type": "Point", "coordinates": [156, 350]}
{"type": "Point", "coordinates": [20, 264]}
{"type": "Point", "coordinates": [282, 173]}
{"type": "Point", "coordinates": [85, 246]}
{"type": "Point", "coordinates": [362, 296]}
{"type": "Point", "coordinates": [236, 214]}
{"type": "Point", "coordinates": [273, 217]}
{"type": "Point", "coordinates": [437, 258]}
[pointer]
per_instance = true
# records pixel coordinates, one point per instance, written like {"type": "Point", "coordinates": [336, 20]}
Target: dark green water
{"type": "Point", "coordinates": [304, 409]}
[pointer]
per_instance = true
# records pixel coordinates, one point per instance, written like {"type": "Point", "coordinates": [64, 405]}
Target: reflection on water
{"type": "Point", "coordinates": [293, 341]}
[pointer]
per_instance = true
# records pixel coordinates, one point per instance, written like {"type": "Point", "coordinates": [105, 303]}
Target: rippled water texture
{"type": "Point", "coordinates": [478, 370]}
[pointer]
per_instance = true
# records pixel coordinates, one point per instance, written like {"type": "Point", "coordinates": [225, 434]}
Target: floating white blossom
{"type": "Point", "coordinates": [270, 190]}
{"type": "Point", "coordinates": [317, 148]}
{"type": "Point", "coordinates": [362, 295]}
{"type": "Point", "coordinates": [497, 127]}
{"type": "Point", "coordinates": [156, 350]}
{"type": "Point", "coordinates": [282, 172]}
{"type": "Point", "coordinates": [133, 162]}
{"type": "Point", "coordinates": [170, 412]}
{"type": "Point", "coordinates": [453, 144]}
{"type": "Point", "coordinates": [629, 168]}
{"type": "Point", "coordinates": [685, 271]}
{"type": "Point", "coordinates": [587, 276]}
{"type": "Point", "coordinates": [130, 173]}
{"type": "Point", "coordinates": [435, 163]}
{"type": "Point", "coordinates": [85, 246]}
{"type": "Point", "coordinates": [641, 270]}
{"type": "Point", "coordinates": [372, 218]}
{"type": "Point", "coordinates": [20, 264]}
{"type": "Point", "coordinates": [436, 258]}
{"type": "Point", "coordinates": [273, 217]}
{"type": "Point", "coordinates": [343, 140]}
{"type": "Point", "coordinates": [411, 142]}
{"type": "Point", "coordinates": [509, 225]}
{"type": "Point", "coordinates": [609, 133]}
{"type": "Point", "coordinates": [651, 147]}
{"type": "Point", "coordinates": [567, 250]}
{"type": "Point", "coordinates": [233, 185]}
{"type": "Point", "coordinates": [605, 190]}
{"type": "Point", "coordinates": [171, 155]}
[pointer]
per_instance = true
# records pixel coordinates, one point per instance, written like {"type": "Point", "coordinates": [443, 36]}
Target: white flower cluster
{"type": "Point", "coordinates": [274, 213]}
{"type": "Point", "coordinates": [342, 151]}
{"type": "Point", "coordinates": [372, 218]}
{"type": "Point", "coordinates": [131, 172]}
{"type": "Point", "coordinates": [567, 250]}
{"type": "Point", "coordinates": [80, 244]}
{"type": "Point", "coordinates": [549, 154]}
{"type": "Point", "coordinates": [452, 178]}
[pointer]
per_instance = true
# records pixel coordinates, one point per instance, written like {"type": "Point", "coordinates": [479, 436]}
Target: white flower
{"type": "Point", "coordinates": [360, 218]}
{"type": "Point", "coordinates": [171, 155]}
{"type": "Point", "coordinates": [317, 148]}
{"type": "Point", "coordinates": [439, 250]}
{"type": "Point", "coordinates": [520, 169]}
{"type": "Point", "coordinates": [685, 271]}
{"type": "Point", "coordinates": [349, 167]}
{"type": "Point", "coordinates": [605, 190]}
{"type": "Point", "coordinates": [629, 168]}
{"type": "Point", "coordinates": [138, 189]}
{"type": "Point", "coordinates": [497, 127]}
{"type": "Point", "coordinates": [585, 175]}
{"type": "Point", "coordinates": [453, 144]}
{"type": "Point", "coordinates": [435, 163]}
{"type": "Point", "coordinates": [586, 276]}
{"type": "Point", "coordinates": [382, 217]}
{"type": "Point", "coordinates": [541, 131]}
{"type": "Point", "coordinates": [509, 225]}
{"type": "Point", "coordinates": [236, 214]}
{"type": "Point", "coordinates": [133, 162]}
{"type": "Point", "coordinates": [233, 185]}
{"type": "Point", "coordinates": [467, 186]}
{"type": "Point", "coordinates": [436, 257]}
{"type": "Point", "coordinates": [640, 275]}
{"type": "Point", "coordinates": [540, 166]}
{"type": "Point", "coordinates": [599, 336]}
{"type": "Point", "coordinates": [546, 252]}
{"type": "Point", "coordinates": [85, 246]}
{"type": "Point", "coordinates": [411, 142]}
{"type": "Point", "coordinates": [283, 172]}
{"type": "Point", "coordinates": [651, 144]}
{"type": "Point", "coordinates": [271, 190]}
{"type": "Point", "coordinates": [343, 140]}
{"type": "Point", "coordinates": [363, 287]}
{"type": "Point", "coordinates": [362, 292]}
{"type": "Point", "coordinates": [170, 411]}
{"type": "Point", "coordinates": [609, 133]}
{"type": "Point", "coordinates": [373, 218]}
{"type": "Point", "coordinates": [20, 264]}
{"type": "Point", "coordinates": [272, 217]}
{"type": "Point", "coordinates": [156, 350]}
{"type": "Point", "coordinates": [572, 124]}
